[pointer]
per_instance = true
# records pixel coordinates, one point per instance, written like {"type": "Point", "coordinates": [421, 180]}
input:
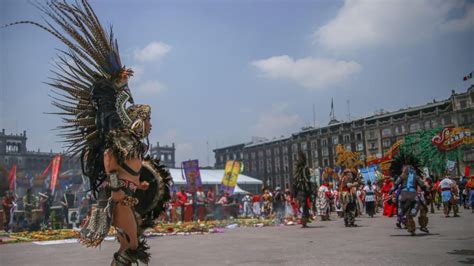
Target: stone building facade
{"type": "Point", "coordinates": [165, 153]}
{"type": "Point", "coordinates": [13, 150]}
{"type": "Point", "coordinates": [272, 161]}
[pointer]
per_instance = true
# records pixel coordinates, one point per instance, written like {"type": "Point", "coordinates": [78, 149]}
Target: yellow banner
{"type": "Point", "coordinates": [231, 173]}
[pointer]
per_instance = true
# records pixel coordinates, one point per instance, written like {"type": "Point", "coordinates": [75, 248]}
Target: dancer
{"type": "Point", "coordinates": [405, 166]}
{"type": "Point", "coordinates": [104, 127]}
{"type": "Point", "coordinates": [303, 187]}
{"type": "Point", "coordinates": [348, 185]}
{"type": "Point", "coordinates": [323, 202]}
{"type": "Point", "coordinates": [449, 196]}
{"type": "Point", "coordinates": [389, 208]}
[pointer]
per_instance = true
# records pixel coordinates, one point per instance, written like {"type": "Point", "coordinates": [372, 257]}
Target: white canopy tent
{"type": "Point", "coordinates": [213, 177]}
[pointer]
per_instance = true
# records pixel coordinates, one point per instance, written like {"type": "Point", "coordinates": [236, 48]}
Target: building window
{"type": "Point", "coordinates": [359, 136]}
{"type": "Point", "coordinates": [386, 132]}
{"type": "Point", "coordinates": [234, 156]}
{"type": "Point", "coordinates": [303, 146]}
{"type": "Point", "coordinates": [347, 138]}
{"type": "Point", "coordinates": [315, 164]}
{"type": "Point", "coordinates": [221, 158]}
{"type": "Point", "coordinates": [335, 140]}
{"type": "Point", "coordinates": [276, 151]}
{"type": "Point", "coordinates": [360, 146]}
{"type": "Point", "coordinates": [295, 157]}
{"type": "Point", "coordinates": [348, 147]}
{"type": "Point", "coordinates": [285, 150]}
{"type": "Point", "coordinates": [371, 135]}
{"type": "Point", "coordinates": [463, 104]}
{"type": "Point", "coordinates": [400, 129]}
{"type": "Point", "coordinates": [269, 152]}
{"type": "Point", "coordinates": [315, 154]}
{"type": "Point", "coordinates": [325, 151]}
{"type": "Point", "coordinates": [294, 147]}
{"type": "Point", "coordinates": [373, 145]}
{"type": "Point", "coordinates": [260, 154]}
{"type": "Point", "coordinates": [252, 155]}
{"type": "Point", "coordinates": [427, 124]}
{"type": "Point", "coordinates": [314, 144]}
{"type": "Point", "coordinates": [447, 120]}
{"type": "Point", "coordinates": [326, 162]}
{"type": "Point", "coordinates": [324, 142]}
{"type": "Point", "coordinates": [414, 127]}
{"type": "Point", "coordinates": [386, 143]}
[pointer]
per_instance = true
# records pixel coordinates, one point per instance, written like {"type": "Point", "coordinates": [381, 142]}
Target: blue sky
{"type": "Point", "coordinates": [220, 72]}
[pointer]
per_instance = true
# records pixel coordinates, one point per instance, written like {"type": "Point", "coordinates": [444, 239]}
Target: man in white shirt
{"type": "Point", "coordinates": [448, 196]}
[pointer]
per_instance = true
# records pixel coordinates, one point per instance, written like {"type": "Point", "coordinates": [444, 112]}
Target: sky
{"type": "Point", "coordinates": [217, 73]}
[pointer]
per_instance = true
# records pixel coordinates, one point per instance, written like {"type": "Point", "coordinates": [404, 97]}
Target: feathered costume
{"type": "Point", "coordinates": [91, 91]}
{"type": "Point", "coordinates": [303, 186]}
{"type": "Point", "coordinates": [405, 167]}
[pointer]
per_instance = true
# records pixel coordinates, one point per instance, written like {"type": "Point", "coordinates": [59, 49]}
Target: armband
{"type": "Point", "coordinates": [114, 181]}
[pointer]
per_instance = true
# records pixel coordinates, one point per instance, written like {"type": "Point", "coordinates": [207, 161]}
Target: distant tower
{"type": "Point", "coordinates": [332, 116]}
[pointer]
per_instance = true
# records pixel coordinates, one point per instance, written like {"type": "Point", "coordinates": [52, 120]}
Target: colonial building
{"type": "Point", "coordinates": [165, 153]}
{"type": "Point", "coordinates": [272, 161]}
{"type": "Point", "coordinates": [13, 150]}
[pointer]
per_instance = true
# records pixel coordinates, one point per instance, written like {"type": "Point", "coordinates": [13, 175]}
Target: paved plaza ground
{"type": "Point", "coordinates": [375, 242]}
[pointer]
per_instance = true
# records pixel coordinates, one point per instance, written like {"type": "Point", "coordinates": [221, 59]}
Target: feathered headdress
{"type": "Point", "coordinates": [302, 174]}
{"type": "Point", "coordinates": [404, 158]}
{"type": "Point", "coordinates": [90, 83]}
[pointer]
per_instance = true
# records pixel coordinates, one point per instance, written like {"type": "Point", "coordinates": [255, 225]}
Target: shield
{"type": "Point", "coordinates": [157, 193]}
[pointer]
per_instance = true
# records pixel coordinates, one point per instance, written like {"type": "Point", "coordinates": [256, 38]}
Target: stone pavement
{"type": "Point", "coordinates": [375, 242]}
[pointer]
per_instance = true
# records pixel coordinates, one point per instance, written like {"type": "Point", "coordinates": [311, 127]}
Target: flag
{"type": "Point", "coordinates": [231, 173]}
{"type": "Point", "coordinates": [12, 178]}
{"type": "Point", "coordinates": [467, 170]}
{"type": "Point", "coordinates": [45, 172]}
{"type": "Point", "coordinates": [55, 165]}
{"type": "Point", "coordinates": [193, 176]}
{"type": "Point", "coordinates": [469, 76]}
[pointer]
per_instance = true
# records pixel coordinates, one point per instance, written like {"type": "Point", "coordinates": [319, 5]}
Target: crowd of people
{"type": "Point", "coordinates": [345, 198]}
{"type": "Point", "coordinates": [43, 210]}
{"type": "Point", "coordinates": [348, 197]}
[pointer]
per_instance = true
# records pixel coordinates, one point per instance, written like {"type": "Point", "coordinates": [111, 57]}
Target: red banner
{"type": "Point", "coordinates": [451, 137]}
{"type": "Point", "coordinates": [12, 178]}
{"type": "Point", "coordinates": [56, 164]}
{"type": "Point", "coordinates": [467, 170]}
{"type": "Point", "coordinates": [45, 172]}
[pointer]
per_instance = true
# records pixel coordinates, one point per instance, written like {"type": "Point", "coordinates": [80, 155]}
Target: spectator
{"type": "Point", "coordinates": [182, 198]}
{"type": "Point", "coordinates": [46, 202]}
{"type": "Point", "coordinates": [279, 205]}
{"type": "Point", "coordinates": [29, 203]}
{"type": "Point", "coordinates": [200, 204]}
{"type": "Point", "coordinates": [256, 205]}
{"type": "Point", "coordinates": [8, 208]}
{"type": "Point", "coordinates": [369, 190]}
{"type": "Point", "coordinates": [246, 202]}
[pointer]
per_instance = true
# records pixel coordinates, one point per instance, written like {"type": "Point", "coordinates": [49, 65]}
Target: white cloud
{"type": "Point", "coordinates": [138, 71]}
{"type": "Point", "coordinates": [152, 52]}
{"type": "Point", "coordinates": [364, 23]}
{"type": "Point", "coordinates": [276, 122]}
{"type": "Point", "coordinates": [149, 87]}
{"type": "Point", "coordinates": [464, 23]}
{"type": "Point", "coordinates": [311, 73]}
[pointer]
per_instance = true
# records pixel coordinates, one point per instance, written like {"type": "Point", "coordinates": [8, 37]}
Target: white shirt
{"type": "Point", "coordinates": [446, 183]}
